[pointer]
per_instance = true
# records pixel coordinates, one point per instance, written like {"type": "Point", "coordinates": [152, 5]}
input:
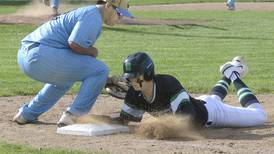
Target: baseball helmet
{"type": "Point", "coordinates": [138, 64]}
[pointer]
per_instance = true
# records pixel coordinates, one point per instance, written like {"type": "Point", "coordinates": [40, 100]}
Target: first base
{"type": "Point", "coordinates": [92, 129]}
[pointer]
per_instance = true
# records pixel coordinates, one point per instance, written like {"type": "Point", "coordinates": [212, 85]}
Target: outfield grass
{"type": "Point", "coordinates": [8, 9]}
{"type": "Point", "coordinates": [146, 2]}
{"type": "Point", "coordinates": [192, 53]}
{"type": "Point", "coordinates": [8, 6]}
{"type": "Point", "coordinates": [6, 148]}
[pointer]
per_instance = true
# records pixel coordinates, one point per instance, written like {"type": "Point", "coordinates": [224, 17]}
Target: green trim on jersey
{"type": "Point", "coordinates": [176, 95]}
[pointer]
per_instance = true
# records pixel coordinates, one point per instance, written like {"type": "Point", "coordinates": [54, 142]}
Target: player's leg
{"type": "Point", "coordinates": [246, 97]}
{"type": "Point", "coordinates": [220, 89]}
{"type": "Point", "coordinates": [89, 90]}
{"type": "Point", "coordinates": [41, 103]}
{"type": "Point", "coordinates": [47, 97]}
{"type": "Point", "coordinates": [224, 115]}
{"type": "Point", "coordinates": [63, 67]}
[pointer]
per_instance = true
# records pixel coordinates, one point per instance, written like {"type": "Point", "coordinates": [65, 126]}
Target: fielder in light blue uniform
{"type": "Point", "coordinates": [60, 53]}
{"type": "Point", "coordinates": [230, 4]}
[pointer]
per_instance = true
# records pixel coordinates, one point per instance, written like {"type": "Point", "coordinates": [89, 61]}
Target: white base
{"type": "Point", "coordinates": [92, 129]}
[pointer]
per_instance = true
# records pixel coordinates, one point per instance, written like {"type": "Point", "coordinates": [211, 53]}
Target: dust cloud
{"type": "Point", "coordinates": [167, 127]}
{"type": "Point", "coordinates": [34, 9]}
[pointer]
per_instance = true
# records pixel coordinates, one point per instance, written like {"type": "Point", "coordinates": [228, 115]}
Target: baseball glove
{"type": "Point", "coordinates": [117, 87]}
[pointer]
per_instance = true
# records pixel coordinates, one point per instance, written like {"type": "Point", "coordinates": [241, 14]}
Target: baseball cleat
{"type": "Point", "coordinates": [67, 118]}
{"type": "Point", "coordinates": [18, 118]}
{"type": "Point", "coordinates": [237, 65]}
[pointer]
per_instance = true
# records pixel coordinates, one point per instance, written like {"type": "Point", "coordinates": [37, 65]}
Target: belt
{"type": "Point", "coordinates": [29, 47]}
{"type": "Point", "coordinates": [33, 45]}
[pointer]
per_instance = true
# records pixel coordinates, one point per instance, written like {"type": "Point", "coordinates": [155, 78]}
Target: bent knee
{"type": "Point", "coordinates": [104, 71]}
{"type": "Point", "coordinates": [260, 118]}
{"type": "Point", "coordinates": [263, 116]}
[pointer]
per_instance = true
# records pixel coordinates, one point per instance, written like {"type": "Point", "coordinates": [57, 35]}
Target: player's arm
{"type": "Point", "coordinates": [179, 98]}
{"type": "Point", "coordinates": [91, 51]}
{"type": "Point", "coordinates": [128, 114]}
{"type": "Point", "coordinates": [84, 35]}
{"type": "Point", "coordinates": [179, 102]}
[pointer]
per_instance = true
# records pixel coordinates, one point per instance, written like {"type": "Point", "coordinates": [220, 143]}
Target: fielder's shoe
{"type": "Point", "coordinates": [67, 118]}
{"type": "Point", "coordinates": [230, 7]}
{"type": "Point", "coordinates": [18, 118]}
{"type": "Point", "coordinates": [237, 65]}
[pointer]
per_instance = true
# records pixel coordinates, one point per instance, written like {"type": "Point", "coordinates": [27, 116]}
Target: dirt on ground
{"type": "Point", "coordinates": [224, 140]}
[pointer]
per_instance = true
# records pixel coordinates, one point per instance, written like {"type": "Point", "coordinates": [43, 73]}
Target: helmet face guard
{"type": "Point", "coordinates": [138, 64]}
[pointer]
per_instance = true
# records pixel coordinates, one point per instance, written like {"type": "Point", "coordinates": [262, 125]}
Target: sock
{"type": "Point", "coordinates": [221, 87]}
{"type": "Point", "coordinates": [246, 97]}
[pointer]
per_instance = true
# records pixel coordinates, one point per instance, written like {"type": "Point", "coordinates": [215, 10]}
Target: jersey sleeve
{"type": "Point", "coordinates": [179, 96]}
{"type": "Point", "coordinates": [130, 109]}
{"type": "Point", "coordinates": [131, 114]}
{"type": "Point", "coordinates": [86, 31]}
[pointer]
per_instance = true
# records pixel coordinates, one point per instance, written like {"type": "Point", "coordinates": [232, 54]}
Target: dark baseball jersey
{"type": "Point", "coordinates": [169, 96]}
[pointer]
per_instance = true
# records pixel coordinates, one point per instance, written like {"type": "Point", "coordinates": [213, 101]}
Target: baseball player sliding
{"type": "Point", "coordinates": [159, 94]}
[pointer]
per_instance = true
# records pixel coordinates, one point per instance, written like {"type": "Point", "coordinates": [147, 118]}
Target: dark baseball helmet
{"type": "Point", "coordinates": [138, 64]}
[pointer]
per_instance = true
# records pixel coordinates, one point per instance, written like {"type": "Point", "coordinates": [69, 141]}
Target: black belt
{"type": "Point", "coordinates": [33, 45]}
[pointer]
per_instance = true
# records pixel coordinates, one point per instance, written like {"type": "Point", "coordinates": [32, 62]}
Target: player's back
{"type": "Point", "coordinates": [56, 32]}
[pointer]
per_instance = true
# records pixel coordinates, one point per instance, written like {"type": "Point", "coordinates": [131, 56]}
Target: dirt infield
{"type": "Point", "coordinates": [43, 135]}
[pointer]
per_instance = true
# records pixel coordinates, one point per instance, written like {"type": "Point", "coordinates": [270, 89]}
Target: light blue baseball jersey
{"type": "Point", "coordinates": [82, 26]}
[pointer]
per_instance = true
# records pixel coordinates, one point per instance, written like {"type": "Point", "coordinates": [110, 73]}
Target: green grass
{"type": "Point", "coordinates": [146, 2]}
{"type": "Point", "coordinates": [6, 148]}
{"type": "Point", "coordinates": [192, 53]}
{"type": "Point", "coordinates": [7, 9]}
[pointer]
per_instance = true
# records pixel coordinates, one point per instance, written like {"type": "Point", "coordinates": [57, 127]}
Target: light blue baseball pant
{"type": "Point", "coordinates": [59, 69]}
{"type": "Point", "coordinates": [54, 4]}
{"type": "Point", "coordinates": [230, 3]}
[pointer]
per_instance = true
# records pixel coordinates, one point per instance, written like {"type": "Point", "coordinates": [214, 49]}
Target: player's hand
{"type": "Point", "coordinates": [93, 52]}
{"type": "Point", "coordinates": [118, 120]}
{"type": "Point", "coordinates": [90, 51]}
